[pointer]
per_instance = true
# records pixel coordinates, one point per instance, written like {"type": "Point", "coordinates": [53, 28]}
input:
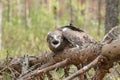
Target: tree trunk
{"type": "Point", "coordinates": [82, 3]}
{"type": "Point", "coordinates": [9, 10]}
{"type": "Point", "coordinates": [99, 16]}
{"type": "Point", "coordinates": [1, 9]}
{"type": "Point", "coordinates": [27, 13]}
{"type": "Point", "coordinates": [56, 14]}
{"type": "Point", "coordinates": [112, 12]}
{"type": "Point", "coordinates": [62, 7]}
{"type": "Point", "coordinates": [71, 12]}
{"type": "Point", "coordinates": [18, 8]}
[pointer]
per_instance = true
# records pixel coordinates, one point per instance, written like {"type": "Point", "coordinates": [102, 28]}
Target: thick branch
{"type": "Point", "coordinates": [112, 50]}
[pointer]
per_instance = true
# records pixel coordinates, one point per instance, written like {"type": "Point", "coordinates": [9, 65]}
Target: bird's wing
{"type": "Point", "coordinates": [77, 38]}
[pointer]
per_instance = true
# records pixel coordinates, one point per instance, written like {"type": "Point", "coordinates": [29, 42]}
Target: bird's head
{"type": "Point", "coordinates": [55, 39]}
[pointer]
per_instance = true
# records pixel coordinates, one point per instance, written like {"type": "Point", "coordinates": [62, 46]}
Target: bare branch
{"type": "Point", "coordinates": [36, 72]}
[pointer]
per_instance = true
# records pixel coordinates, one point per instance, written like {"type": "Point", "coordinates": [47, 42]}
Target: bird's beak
{"type": "Point", "coordinates": [55, 43]}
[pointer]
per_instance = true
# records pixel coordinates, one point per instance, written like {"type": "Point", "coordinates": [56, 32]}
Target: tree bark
{"type": "Point", "coordinates": [71, 12]}
{"type": "Point", "coordinates": [27, 14]}
{"type": "Point", "coordinates": [1, 10]}
{"type": "Point", "coordinates": [99, 16]}
{"type": "Point", "coordinates": [9, 10]}
{"type": "Point", "coordinates": [112, 12]}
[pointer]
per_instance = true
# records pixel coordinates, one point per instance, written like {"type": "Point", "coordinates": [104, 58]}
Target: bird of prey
{"type": "Point", "coordinates": [68, 36]}
{"type": "Point", "coordinates": [76, 36]}
{"type": "Point", "coordinates": [56, 41]}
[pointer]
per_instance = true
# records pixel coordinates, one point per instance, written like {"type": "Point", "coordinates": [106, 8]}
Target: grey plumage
{"type": "Point", "coordinates": [77, 37]}
{"type": "Point", "coordinates": [67, 37]}
{"type": "Point", "coordinates": [56, 41]}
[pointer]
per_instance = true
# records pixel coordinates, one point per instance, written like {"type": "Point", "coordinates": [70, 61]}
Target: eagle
{"type": "Point", "coordinates": [68, 37]}
{"type": "Point", "coordinates": [56, 41]}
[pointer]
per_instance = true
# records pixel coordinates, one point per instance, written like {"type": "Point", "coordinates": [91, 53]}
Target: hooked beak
{"type": "Point", "coordinates": [55, 43]}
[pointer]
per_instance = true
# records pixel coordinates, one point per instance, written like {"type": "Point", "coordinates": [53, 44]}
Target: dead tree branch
{"type": "Point", "coordinates": [38, 72]}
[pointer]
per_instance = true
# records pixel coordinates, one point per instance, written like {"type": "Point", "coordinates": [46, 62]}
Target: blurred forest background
{"type": "Point", "coordinates": [25, 23]}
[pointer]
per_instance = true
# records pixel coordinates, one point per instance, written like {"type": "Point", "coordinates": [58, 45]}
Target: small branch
{"type": "Point", "coordinates": [82, 76]}
{"type": "Point", "coordinates": [117, 72]}
{"type": "Point", "coordinates": [44, 70]}
{"type": "Point", "coordinates": [57, 65]}
{"type": "Point", "coordinates": [84, 69]}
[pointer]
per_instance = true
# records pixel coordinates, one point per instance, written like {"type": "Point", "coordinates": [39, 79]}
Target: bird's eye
{"type": "Point", "coordinates": [51, 38]}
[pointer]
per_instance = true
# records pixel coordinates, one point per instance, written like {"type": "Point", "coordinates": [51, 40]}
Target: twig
{"type": "Point", "coordinates": [60, 64]}
{"type": "Point", "coordinates": [44, 70]}
{"type": "Point", "coordinates": [12, 73]}
{"type": "Point", "coordinates": [81, 76]}
{"type": "Point", "coordinates": [117, 72]}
